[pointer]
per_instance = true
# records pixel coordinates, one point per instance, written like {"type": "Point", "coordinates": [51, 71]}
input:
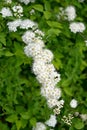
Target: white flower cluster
{"type": "Point", "coordinates": [13, 25]}
{"type": "Point", "coordinates": [22, 24]}
{"type": "Point", "coordinates": [26, 2]}
{"type": "Point", "coordinates": [61, 13]}
{"type": "Point", "coordinates": [58, 108]}
{"type": "Point", "coordinates": [83, 117]}
{"type": "Point", "coordinates": [68, 119]}
{"type": "Point", "coordinates": [42, 67]}
{"type": "Point", "coordinates": [77, 27]}
{"type": "Point", "coordinates": [6, 12]}
{"type": "Point", "coordinates": [32, 11]}
{"type": "Point", "coordinates": [73, 103]}
{"type": "Point", "coordinates": [17, 10]}
{"type": "Point", "coordinates": [70, 13]}
{"type": "Point", "coordinates": [81, 1]}
{"type": "Point", "coordinates": [52, 121]}
{"type": "Point", "coordinates": [8, 1]}
{"type": "Point", "coordinates": [39, 126]}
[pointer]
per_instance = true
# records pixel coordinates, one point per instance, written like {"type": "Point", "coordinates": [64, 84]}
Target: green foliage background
{"type": "Point", "coordinates": [21, 104]}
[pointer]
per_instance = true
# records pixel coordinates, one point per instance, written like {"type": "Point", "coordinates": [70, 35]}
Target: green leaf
{"type": "Point", "coordinates": [25, 115]}
{"type": "Point", "coordinates": [8, 53]}
{"type": "Point", "coordinates": [47, 6]}
{"type": "Point", "coordinates": [66, 82]}
{"type": "Point", "coordinates": [18, 124]}
{"type": "Point", "coordinates": [78, 124]}
{"type": "Point", "coordinates": [20, 109]}
{"type": "Point", "coordinates": [57, 63]}
{"type": "Point", "coordinates": [3, 126]}
{"type": "Point", "coordinates": [38, 7]}
{"type": "Point", "coordinates": [33, 121]}
{"type": "Point", "coordinates": [15, 35]}
{"type": "Point", "coordinates": [18, 49]}
{"type": "Point", "coordinates": [24, 123]}
{"type": "Point", "coordinates": [12, 118]}
{"type": "Point", "coordinates": [68, 91]}
{"type": "Point", "coordinates": [3, 39]}
{"type": "Point", "coordinates": [47, 14]}
{"type": "Point", "coordinates": [54, 24]}
{"type": "Point", "coordinates": [53, 31]}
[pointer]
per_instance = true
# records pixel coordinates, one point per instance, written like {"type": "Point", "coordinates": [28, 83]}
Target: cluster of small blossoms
{"type": "Point", "coordinates": [22, 24]}
{"type": "Point", "coordinates": [58, 107]}
{"type": "Point", "coordinates": [17, 10]}
{"type": "Point", "coordinates": [68, 119]}
{"type": "Point", "coordinates": [39, 126]}
{"type": "Point", "coordinates": [42, 67]}
{"type": "Point", "coordinates": [70, 13]}
{"type": "Point", "coordinates": [32, 11]}
{"type": "Point", "coordinates": [8, 1]}
{"type": "Point", "coordinates": [14, 11]}
{"type": "Point", "coordinates": [52, 121]}
{"type": "Point", "coordinates": [61, 13]}
{"type": "Point", "coordinates": [44, 70]}
{"type": "Point", "coordinates": [81, 1]}
{"type": "Point", "coordinates": [6, 12]}
{"type": "Point", "coordinates": [26, 2]}
{"type": "Point", "coordinates": [83, 117]}
{"type": "Point", "coordinates": [73, 103]}
{"type": "Point", "coordinates": [77, 27]}
{"type": "Point", "coordinates": [74, 26]}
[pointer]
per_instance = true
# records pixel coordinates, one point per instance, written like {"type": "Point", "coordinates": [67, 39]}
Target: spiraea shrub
{"type": "Point", "coordinates": [43, 65]}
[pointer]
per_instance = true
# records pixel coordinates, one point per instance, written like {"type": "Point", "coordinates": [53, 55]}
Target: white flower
{"type": "Point", "coordinates": [73, 103]}
{"type": "Point", "coordinates": [25, 24]}
{"type": "Point", "coordinates": [61, 13]}
{"type": "Point", "coordinates": [6, 12]}
{"type": "Point", "coordinates": [26, 2]}
{"type": "Point", "coordinates": [83, 117]}
{"type": "Point", "coordinates": [68, 119]}
{"type": "Point", "coordinates": [70, 12]}
{"type": "Point", "coordinates": [85, 42]}
{"type": "Point", "coordinates": [51, 92]}
{"type": "Point", "coordinates": [18, 10]}
{"type": "Point", "coordinates": [32, 12]}
{"type": "Point", "coordinates": [8, 1]}
{"type": "Point", "coordinates": [58, 107]}
{"type": "Point", "coordinates": [77, 27]}
{"type": "Point", "coordinates": [52, 121]}
{"type": "Point", "coordinates": [39, 32]}
{"type": "Point", "coordinates": [81, 1]}
{"type": "Point", "coordinates": [52, 102]}
{"type": "Point", "coordinates": [28, 37]}
{"type": "Point", "coordinates": [38, 67]}
{"type": "Point", "coordinates": [33, 49]}
{"type": "Point", "coordinates": [13, 25]}
{"type": "Point", "coordinates": [60, 104]}
{"type": "Point", "coordinates": [46, 56]}
{"type": "Point", "coordinates": [56, 76]}
{"type": "Point", "coordinates": [39, 126]}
